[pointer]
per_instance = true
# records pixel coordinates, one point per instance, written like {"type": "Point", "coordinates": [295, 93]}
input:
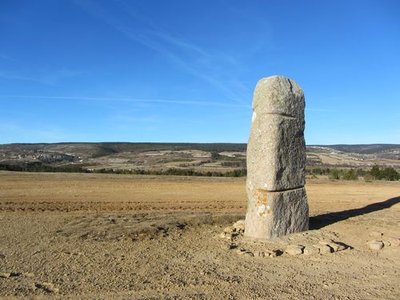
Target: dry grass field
{"type": "Point", "coordinates": [153, 237]}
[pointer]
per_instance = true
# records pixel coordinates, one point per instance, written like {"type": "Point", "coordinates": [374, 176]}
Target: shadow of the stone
{"type": "Point", "coordinates": [320, 221]}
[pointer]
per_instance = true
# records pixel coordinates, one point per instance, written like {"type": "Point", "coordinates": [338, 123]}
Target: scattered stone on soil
{"type": "Point", "coordinates": [269, 253]}
{"type": "Point", "coordinates": [261, 254]}
{"type": "Point", "coordinates": [324, 248]}
{"type": "Point", "coordinates": [228, 229]}
{"type": "Point", "coordinates": [375, 245]}
{"type": "Point", "coordinates": [194, 265]}
{"type": "Point", "coordinates": [9, 274]}
{"type": "Point", "coordinates": [335, 247]}
{"type": "Point", "coordinates": [245, 252]}
{"type": "Point", "coordinates": [28, 274]}
{"type": "Point", "coordinates": [294, 249]}
{"type": "Point", "coordinates": [393, 241]}
{"type": "Point", "coordinates": [232, 246]}
{"type": "Point", "coordinates": [342, 246]}
{"type": "Point", "coordinates": [239, 226]}
{"type": "Point", "coordinates": [5, 274]}
{"type": "Point", "coordinates": [47, 287]}
{"type": "Point", "coordinates": [276, 252]}
{"type": "Point", "coordinates": [234, 231]}
{"type": "Point", "coordinates": [2, 256]}
{"type": "Point", "coordinates": [296, 244]}
{"type": "Point", "coordinates": [380, 243]}
{"type": "Point", "coordinates": [310, 250]}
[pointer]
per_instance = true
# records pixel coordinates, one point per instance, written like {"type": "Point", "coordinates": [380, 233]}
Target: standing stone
{"type": "Point", "coordinates": [276, 159]}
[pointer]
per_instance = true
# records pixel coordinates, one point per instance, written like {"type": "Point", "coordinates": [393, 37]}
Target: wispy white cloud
{"type": "Point", "coordinates": [47, 78]}
{"type": "Point", "coordinates": [128, 99]}
{"type": "Point", "coordinates": [210, 66]}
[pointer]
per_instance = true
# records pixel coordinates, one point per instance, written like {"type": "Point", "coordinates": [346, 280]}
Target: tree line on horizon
{"type": "Point", "coordinates": [375, 173]}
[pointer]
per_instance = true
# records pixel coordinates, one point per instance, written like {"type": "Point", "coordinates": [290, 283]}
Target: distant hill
{"type": "Point", "coordinates": [102, 149]}
{"type": "Point", "coordinates": [366, 148]}
{"type": "Point", "coordinates": [197, 157]}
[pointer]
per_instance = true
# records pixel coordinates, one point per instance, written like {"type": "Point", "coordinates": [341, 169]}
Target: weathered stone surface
{"type": "Point", "coordinates": [324, 248]}
{"type": "Point", "coordinates": [278, 95]}
{"type": "Point", "coordinates": [274, 214]}
{"type": "Point", "coordinates": [338, 246]}
{"type": "Point", "coordinates": [294, 249]}
{"type": "Point", "coordinates": [375, 245]}
{"type": "Point", "coordinates": [239, 226]}
{"type": "Point", "coordinates": [276, 149]}
{"type": "Point", "coordinates": [276, 154]}
{"type": "Point", "coordinates": [310, 250]}
{"type": "Point", "coordinates": [277, 202]}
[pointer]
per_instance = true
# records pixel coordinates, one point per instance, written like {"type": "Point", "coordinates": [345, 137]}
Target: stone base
{"type": "Point", "coordinates": [274, 214]}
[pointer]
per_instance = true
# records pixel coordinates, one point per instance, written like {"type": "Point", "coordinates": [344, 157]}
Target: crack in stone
{"type": "Point", "coordinates": [281, 114]}
{"type": "Point", "coordinates": [291, 85]}
{"type": "Point", "coordinates": [286, 190]}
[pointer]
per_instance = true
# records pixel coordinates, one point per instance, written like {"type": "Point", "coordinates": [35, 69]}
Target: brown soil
{"type": "Point", "coordinates": [142, 237]}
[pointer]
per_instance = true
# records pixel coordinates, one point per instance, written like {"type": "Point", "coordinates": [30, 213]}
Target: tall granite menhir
{"type": "Point", "coordinates": [276, 159]}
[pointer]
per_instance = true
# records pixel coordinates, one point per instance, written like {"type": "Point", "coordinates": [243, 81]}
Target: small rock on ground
{"type": "Point", "coordinates": [375, 245]}
{"type": "Point", "coordinates": [269, 253]}
{"type": "Point", "coordinates": [335, 247]}
{"type": "Point", "coordinates": [310, 250]}
{"type": "Point", "coordinates": [342, 246]}
{"type": "Point", "coordinates": [47, 287]}
{"type": "Point", "coordinates": [232, 246]}
{"type": "Point", "coordinates": [324, 249]}
{"type": "Point", "coordinates": [294, 249]}
{"type": "Point", "coordinates": [228, 229]}
{"type": "Point", "coordinates": [276, 252]}
{"type": "Point", "coordinates": [239, 225]}
{"type": "Point", "coordinates": [5, 274]}
{"type": "Point", "coordinates": [242, 251]}
{"type": "Point", "coordinates": [394, 241]}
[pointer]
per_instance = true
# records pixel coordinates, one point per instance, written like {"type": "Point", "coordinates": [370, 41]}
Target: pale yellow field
{"type": "Point", "coordinates": [143, 237]}
{"type": "Point", "coordinates": [96, 192]}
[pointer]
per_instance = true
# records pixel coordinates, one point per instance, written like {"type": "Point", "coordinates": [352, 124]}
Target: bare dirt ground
{"type": "Point", "coordinates": [141, 237]}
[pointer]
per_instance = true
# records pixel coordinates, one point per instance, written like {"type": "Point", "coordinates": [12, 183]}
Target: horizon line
{"type": "Point", "coordinates": [148, 142]}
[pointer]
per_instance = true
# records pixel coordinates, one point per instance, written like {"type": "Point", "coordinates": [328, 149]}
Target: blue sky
{"type": "Point", "coordinates": [184, 71]}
